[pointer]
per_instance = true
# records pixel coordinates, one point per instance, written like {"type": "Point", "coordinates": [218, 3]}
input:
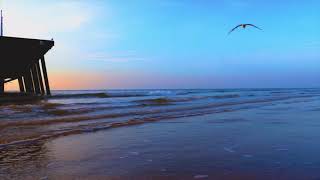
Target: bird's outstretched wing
{"type": "Point", "coordinates": [234, 28]}
{"type": "Point", "coordinates": [253, 26]}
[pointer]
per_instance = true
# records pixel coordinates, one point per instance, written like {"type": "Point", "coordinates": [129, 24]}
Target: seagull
{"type": "Point", "coordinates": [243, 26]}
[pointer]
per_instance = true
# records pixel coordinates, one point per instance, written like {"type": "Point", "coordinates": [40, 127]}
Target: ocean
{"type": "Point", "coordinates": [69, 112]}
{"type": "Point", "coordinates": [219, 118]}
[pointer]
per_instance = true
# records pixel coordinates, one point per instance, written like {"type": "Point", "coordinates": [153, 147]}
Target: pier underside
{"type": "Point", "coordinates": [23, 60]}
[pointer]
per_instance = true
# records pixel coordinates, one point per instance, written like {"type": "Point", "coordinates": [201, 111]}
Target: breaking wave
{"type": "Point", "coordinates": [73, 113]}
{"type": "Point", "coordinates": [84, 95]}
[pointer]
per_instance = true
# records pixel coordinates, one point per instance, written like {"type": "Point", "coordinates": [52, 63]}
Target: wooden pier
{"type": "Point", "coordinates": [24, 60]}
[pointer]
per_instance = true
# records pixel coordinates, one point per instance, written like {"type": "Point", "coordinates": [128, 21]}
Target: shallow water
{"type": "Point", "coordinates": [68, 112]}
{"type": "Point", "coordinates": [249, 133]}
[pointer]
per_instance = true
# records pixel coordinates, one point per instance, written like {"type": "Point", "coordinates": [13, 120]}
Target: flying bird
{"type": "Point", "coordinates": [243, 26]}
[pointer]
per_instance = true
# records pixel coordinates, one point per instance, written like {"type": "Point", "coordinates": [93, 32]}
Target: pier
{"type": "Point", "coordinates": [23, 59]}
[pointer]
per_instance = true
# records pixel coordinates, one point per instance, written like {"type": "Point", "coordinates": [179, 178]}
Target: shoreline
{"type": "Point", "coordinates": [267, 142]}
{"type": "Point", "coordinates": [105, 124]}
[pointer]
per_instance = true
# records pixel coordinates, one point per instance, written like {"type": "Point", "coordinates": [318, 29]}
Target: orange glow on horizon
{"type": "Point", "coordinates": [12, 86]}
{"type": "Point", "coordinates": [66, 81]}
{"type": "Point", "coordinates": [75, 80]}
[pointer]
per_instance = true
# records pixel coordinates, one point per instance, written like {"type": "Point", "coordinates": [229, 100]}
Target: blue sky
{"type": "Point", "coordinates": [173, 43]}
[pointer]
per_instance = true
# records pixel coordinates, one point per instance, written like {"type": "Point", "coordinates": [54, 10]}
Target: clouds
{"type": "Point", "coordinates": [116, 57]}
{"type": "Point", "coordinates": [38, 19]}
{"type": "Point", "coordinates": [312, 44]}
{"type": "Point", "coordinates": [238, 3]}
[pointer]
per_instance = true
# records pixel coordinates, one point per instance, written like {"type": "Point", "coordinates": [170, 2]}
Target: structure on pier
{"type": "Point", "coordinates": [23, 60]}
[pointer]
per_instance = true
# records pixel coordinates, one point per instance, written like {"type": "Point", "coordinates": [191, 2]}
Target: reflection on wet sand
{"type": "Point", "coordinates": [23, 159]}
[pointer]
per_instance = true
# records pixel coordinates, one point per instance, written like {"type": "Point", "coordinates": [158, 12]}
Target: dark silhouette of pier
{"type": "Point", "coordinates": [23, 59]}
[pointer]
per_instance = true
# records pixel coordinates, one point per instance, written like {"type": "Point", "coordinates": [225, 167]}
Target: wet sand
{"type": "Point", "coordinates": [278, 141]}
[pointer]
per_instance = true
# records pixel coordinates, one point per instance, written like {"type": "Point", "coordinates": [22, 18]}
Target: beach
{"type": "Point", "coordinates": [163, 134]}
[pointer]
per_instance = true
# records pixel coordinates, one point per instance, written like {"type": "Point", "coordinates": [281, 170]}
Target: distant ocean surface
{"type": "Point", "coordinates": [75, 112]}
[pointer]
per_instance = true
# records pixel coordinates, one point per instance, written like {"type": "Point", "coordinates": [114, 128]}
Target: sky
{"type": "Point", "coordinates": [116, 44]}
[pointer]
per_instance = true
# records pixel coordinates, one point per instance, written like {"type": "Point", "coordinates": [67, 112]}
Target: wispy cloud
{"type": "Point", "coordinates": [172, 3]}
{"type": "Point", "coordinates": [238, 3]}
{"type": "Point", "coordinates": [27, 20]}
{"type": "Point", "coordinates": [312, 44]}
{"type": "Point", "coordinates": [124, 56]}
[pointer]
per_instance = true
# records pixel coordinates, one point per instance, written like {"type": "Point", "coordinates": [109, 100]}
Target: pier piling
{"type": "Point", "coordinates": [40, 79]}
{"type": "Point", "coordinates": [28, 82]}
{"type": "Point", "coordinates": [35, 80]}
{"type": "Point", "coordinates": [21, 84]}
{"type": "Point", "coordinates": [45, 75]}
{"type": "Point", "coordinates": [1, 85]}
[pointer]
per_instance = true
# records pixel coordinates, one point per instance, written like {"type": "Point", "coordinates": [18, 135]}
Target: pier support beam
{"type": "Point", "coordinates": [21, 85]}
{"type": "Point", "coordinates": [35, 79]}
{"type": "Point", "coordinates": [28, 82]}
{"type": "Point", "coordinates": [1, 85]}
{"type": "Point", "coordinates": [40, 79]}
{"type": "Point", "coordinates": [45, 75]}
